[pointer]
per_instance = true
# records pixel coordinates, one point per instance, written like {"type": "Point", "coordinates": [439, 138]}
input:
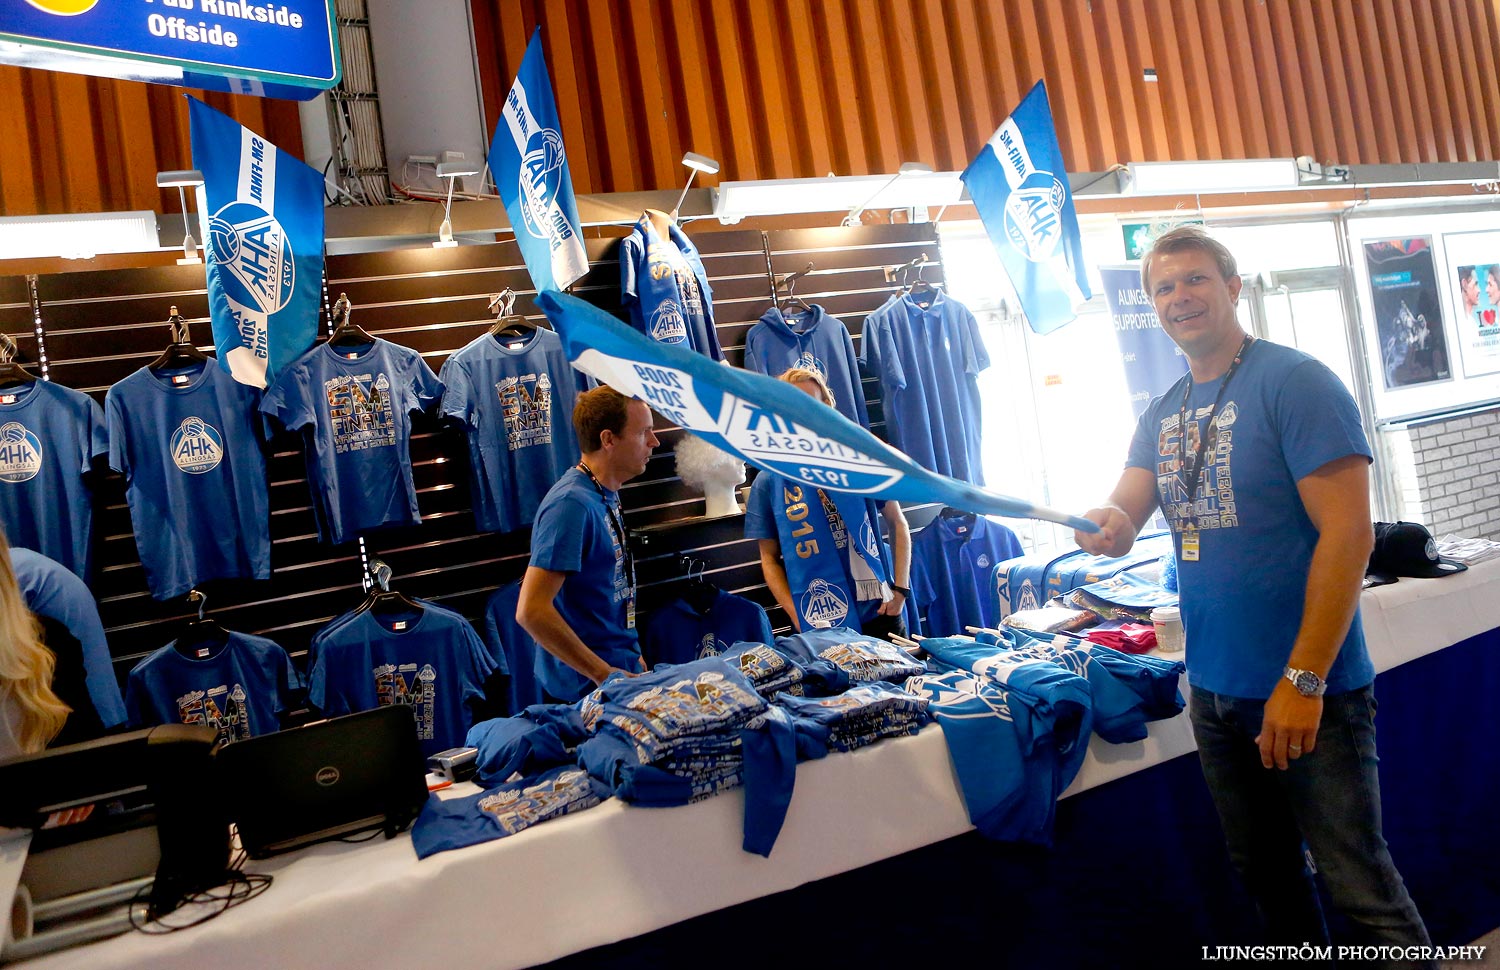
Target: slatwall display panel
{"type": "Point", "coordinates": [15, 316]}
{"type": "Point", "coordinates": [101, 325]}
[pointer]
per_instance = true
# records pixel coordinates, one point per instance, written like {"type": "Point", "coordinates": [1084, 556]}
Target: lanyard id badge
{"type": "Point", "coordinates": [1193, 468]}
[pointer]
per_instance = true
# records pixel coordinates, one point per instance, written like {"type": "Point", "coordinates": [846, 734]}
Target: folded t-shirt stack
{"type": "Point", "coordinates": [503, 810]}
{"type": "Point", "coordinates": [859, 716]}
{"type": "Point", "coordinates": [1127, 691]}
{"type": "Point", "coordinates": [768, 669]}
{"type": "Point", "coordinates": [685, 732]}
{"type": "Point", "coordinates": [861, 658]}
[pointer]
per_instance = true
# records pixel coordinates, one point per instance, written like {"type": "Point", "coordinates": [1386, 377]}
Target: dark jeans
{"type": "Point", "coordinates": [884, 627]}
{"type": "Point", "coordinates": [1328, 799]}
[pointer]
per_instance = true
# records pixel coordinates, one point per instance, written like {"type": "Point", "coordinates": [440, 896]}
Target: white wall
{"type": "Point", "coordinates": [429, 96]}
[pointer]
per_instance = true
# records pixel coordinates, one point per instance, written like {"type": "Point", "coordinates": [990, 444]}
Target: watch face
{"type": "Point", "coordinates": [1306, 682]}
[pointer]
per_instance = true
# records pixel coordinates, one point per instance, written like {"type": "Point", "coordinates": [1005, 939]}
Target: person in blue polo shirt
{"type": "Point", "coordinates": [578, 595]}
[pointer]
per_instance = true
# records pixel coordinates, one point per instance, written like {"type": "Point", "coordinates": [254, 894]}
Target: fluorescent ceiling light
{"type": "Point", "coordinates": [772, 197]}
{"type": "Point", "coordinates": [78, 236]}
{"type": "Point", "coordinates": [1232, 175]}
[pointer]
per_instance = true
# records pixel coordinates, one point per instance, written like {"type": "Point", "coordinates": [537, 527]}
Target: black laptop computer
{"type": "Point", "coordinates": [327, 780]}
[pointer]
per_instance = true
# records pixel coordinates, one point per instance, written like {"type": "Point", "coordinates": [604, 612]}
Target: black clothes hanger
{"type": "Point", "coordinates": [181, 352]}
{"type": "Point", "coordinates": [202, 637]}
{"type": "Point", "coordinates": [508, 323]}
{"type": "Point", "coordinates": [12, 374]}
{"type": "Point", "coordinates": [347, 333]}
{"type": "Point", "coordinates": [699, 594]}
{"type": "Point", "coordinates": [790, 297]}
{"type": "Point", "coordinates": [380, 599]}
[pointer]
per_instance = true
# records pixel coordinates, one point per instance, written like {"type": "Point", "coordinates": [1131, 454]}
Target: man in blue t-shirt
{"type": "Point", "coordinates": [578, 596]}
{"type": "Point", "coordinates": [1258, 460]}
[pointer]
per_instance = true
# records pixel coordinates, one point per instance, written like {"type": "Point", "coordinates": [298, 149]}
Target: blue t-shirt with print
{"type": "Point", "coordinates": [573, 535]}
{"type": "Point", "coordinates": [354, 406]}
{"type": "Point", "coordinates": [189, 445]}
{"type": "Point", "coordinates": [238, 687]}
{"type": "Point", "coordinates": [514, 398]}
{"type": "Point", "coordinates": [432, 662]}
{"type": "Point", "coordinates": [49, 436]}
{"type": "Point", "coordinates": [928, 360]}
{"type": "Point", "coordinates": [665, 289]}
{"type": "Point", "coordinates": [1283, 416]}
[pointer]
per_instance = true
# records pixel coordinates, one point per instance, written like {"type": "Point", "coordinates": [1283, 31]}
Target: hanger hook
{"type": "Point", "coordinates": [8, 348]}
{"type": "Point", "coordinates": [341, 310]}
{"type": "Point", "coordinates": [503, 303]}
{"type": "Point", "coordinates": [181, 332]}
{"type": "Point", "coordinates": [199, 597]}
{"type": "Point", "coordinates": [380, 574]}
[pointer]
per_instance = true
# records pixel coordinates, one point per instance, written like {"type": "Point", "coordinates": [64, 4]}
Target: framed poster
{"type": "Point", "coordinates": [1474, 259]}
{"type": "Point", "coordinates": [1413, 347]}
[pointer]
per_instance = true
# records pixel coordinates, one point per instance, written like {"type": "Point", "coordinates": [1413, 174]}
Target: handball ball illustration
{"type": "Point", "coordinates": [713, 472]}
{"type": "Point", "coordinates": [13, 433]}
{"type": "Point", "coordinates": [193, 427]}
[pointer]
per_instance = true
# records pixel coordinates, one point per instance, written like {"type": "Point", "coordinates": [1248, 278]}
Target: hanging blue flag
{"type": "Point", "coordinates": [264, 246]}
{"type": "Point", "coordinates": [1020, 188]}
{"type": "Point", "coordinates": [766, 422]}
{"type": "Point", "coordinates": [531, 172]}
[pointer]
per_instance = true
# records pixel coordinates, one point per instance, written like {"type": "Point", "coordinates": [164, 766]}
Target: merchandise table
{"type": "Point", "coordinates": [616, 871]}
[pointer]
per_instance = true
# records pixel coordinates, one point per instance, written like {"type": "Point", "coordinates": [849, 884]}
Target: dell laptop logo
{"type": "Point", "coordinates": [328, 776]}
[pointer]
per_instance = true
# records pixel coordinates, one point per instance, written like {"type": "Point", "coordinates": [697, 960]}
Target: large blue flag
{"type": "Point", "coordinates": [265, 246]}
{"type": "Point", "coordinates": [531, 172]}
{"type": "Point", "coordinates": [767, 422]}
{"type": "Point", "coordinates": [1020, 187]}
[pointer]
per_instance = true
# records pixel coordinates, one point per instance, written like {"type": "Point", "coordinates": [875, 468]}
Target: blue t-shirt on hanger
{"type": "Point", "coordinates": [817, 341]}
{"type": "Point", "coordinates": [679, 632]}
{"type": "Point", "coordinates": [431, 661]}
{"type": "Point", "coordinates": [49, 436]}
{"type": "Point", "coordinates": [928, 358]}
{"type": "Point", "coordinates": [189, 443]}
{"type": "Point", "coordinates": [514, 398]}
{"type": "Point", "coordinates": [664, 286]}
{"type": "Point", "coordinates": [354, 405]}
{"type": "Point", "coordinates": [238, 687]}
{"type": "Point", "coordinates": [952, 562]}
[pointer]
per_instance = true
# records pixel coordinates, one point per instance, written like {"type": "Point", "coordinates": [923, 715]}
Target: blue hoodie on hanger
{"type": "Point", "coordinates": [817, 341]}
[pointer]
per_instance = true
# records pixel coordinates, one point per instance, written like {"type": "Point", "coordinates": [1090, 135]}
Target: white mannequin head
{"type": "Point", "coordinates": [713, 472]}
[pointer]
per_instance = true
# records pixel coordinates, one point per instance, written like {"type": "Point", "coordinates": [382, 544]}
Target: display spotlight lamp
{"type": "Point", "coordinates": [182, 180]}
{"type": "Point", "coordinates": [695, 163]}
{"type": "Point", "coordinates": [452, 171]}
{"type": "Point", "coordinates": [907, 168]}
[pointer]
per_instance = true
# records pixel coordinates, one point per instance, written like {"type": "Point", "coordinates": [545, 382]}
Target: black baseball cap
{"type": "Point", "coordinates": [1408, 549]}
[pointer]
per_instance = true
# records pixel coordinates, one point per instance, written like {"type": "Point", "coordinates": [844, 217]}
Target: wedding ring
{"type": "Point", "coordinates": [1294, 748]}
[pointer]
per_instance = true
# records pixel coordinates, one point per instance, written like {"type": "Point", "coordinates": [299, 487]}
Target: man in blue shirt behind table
{"type": "Point", "coordinates": [578, 596]}
{"type": "Point", "coordinates": [1267, 494]}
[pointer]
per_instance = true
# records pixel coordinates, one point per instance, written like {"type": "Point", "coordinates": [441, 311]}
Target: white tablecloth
{"type": "Point", "coordinates": [617, 871]}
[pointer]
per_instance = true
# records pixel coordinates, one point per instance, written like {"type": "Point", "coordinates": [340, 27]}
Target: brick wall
{"type": "Point", "coordinates": [1447, 473]}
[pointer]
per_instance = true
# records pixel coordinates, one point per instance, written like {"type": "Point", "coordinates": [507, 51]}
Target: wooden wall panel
{"type": "Point", "coordinates": [70, 143]}
{"type": "Point", "coordinates": [798, 88]}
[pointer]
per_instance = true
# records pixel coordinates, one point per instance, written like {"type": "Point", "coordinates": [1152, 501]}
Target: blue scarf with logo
{"type": "Point", "coordinates": [826, 590]}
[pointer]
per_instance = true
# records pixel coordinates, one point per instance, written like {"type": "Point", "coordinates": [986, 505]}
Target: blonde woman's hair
{"type": "Point", "coordinates": [26, 664]}
{"type": "Point", "coordinates": [798, 375]}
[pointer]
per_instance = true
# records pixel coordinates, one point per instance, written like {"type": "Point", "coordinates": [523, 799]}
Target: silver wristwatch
{"type": "Point", "coordinates": [1308, 684]}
